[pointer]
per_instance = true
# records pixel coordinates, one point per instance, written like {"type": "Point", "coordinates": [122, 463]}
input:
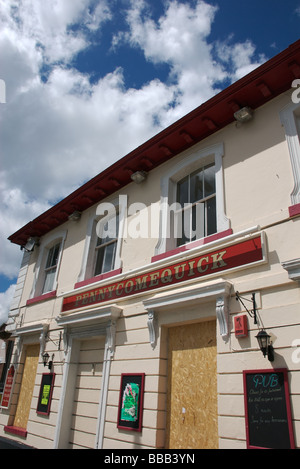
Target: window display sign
{"type": "Point", "coordinates": [8, 387]}
{"type": "Point", "coordinates": [45, 396]}
{"type": "Point", "coordinates": [131, 401]}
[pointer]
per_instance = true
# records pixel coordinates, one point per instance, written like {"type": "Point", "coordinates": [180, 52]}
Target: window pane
{"type": "Point", "coordinates": [196, 187]}
{"type": "Point", "coordinates": [109, 257]}
{"type": "Point", "coordinates": [209, 178]}
{"type": "Point", "coordinates": [110, 231]}
{"type": "Point", "coordinates": [183, 191]}
{"type": "Point", "coordinates": [53, 256]}
{"type": "Point", "coordinates": [211, 216]}
{"type": "Point", "coordinates": [198, 221]}
{"type": "Point", "coordinates": [99, 261]}
{"type": "Point", "coordinates": [49, 280]}
{"type": "Point", "coordinates": [105, 259]}
{"type": "Point", "coordinates": [181, 221]}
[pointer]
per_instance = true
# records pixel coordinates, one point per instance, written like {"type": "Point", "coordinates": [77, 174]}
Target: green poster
{"type": "Point", "coordinates": [45, 394]}
{"type": "Point", "coordinates": [129, 411]}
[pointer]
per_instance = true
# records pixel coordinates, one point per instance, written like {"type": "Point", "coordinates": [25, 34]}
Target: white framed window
{"type": "Point", "coordinates": [51, 268]}
{"type": "Point", "coordinates": [48, 263]}
{"type": "Point", "coordinates": [102, 250]}
{"type": "Point", "coordinates": [196, 198]}
{"type": "Point", "coordinates": [193, 190]}
{"type": "Point", "coordinates": [290, 119]}
{"type": "Point", "coordinates": [106, 246]}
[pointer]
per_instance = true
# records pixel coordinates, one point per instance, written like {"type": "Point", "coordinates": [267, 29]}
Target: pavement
{"type": "Point", "coordinates": [6, 443]}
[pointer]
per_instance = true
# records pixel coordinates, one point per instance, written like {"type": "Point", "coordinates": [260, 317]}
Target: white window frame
{"type": "Point", "coordinates": [89, 254]}
{"type": "Point", "coordinates": [99, 227]}
{"type": "Point", "coordinates": [40, 272]}
{"type": "Point", "coordinates": [50, 269]}
{"type": "Point", "coordinates": [192, 162]}
{"type": "Point", "coordinates": [183, 215]}
{"type": "Point", "coordinates": [290, 119]}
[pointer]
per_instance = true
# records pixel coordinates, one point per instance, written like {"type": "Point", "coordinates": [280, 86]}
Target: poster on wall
{"type": "Point", "coordinates": [45, 396]}
{"type": "Point", "coordinates": [8, 388]}
{"type": "Point", "coordinates": [131, 401]}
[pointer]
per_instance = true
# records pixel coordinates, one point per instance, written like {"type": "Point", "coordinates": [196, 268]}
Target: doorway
{"type": "Point", "coordinates": [192, 413]}
{"type": "Point", "coordinates": [27, 385]}
{"type": "Point", "coordinates": [87, 377]}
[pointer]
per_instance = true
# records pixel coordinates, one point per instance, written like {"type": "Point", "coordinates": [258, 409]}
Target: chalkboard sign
{"type": "Point", "coordinates": [45, 396]}
{"type": "Point", "coordinates": [268, 411]}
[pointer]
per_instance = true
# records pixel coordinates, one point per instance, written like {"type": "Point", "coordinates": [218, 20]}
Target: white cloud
{"type": "Point", "coordinates": [181, 38]}
{"type": "Point", "coordinates": [56, 134]}
{"type": "Point", "coordinates": [16, 210]}
{"type": "Point", "coordinates": [239, 58]}
{"type": "Point", "coordinates": [43, 28]}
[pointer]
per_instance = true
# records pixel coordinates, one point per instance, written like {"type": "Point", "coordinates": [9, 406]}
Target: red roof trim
{"type": "Point", "coordinates": [255, 89]}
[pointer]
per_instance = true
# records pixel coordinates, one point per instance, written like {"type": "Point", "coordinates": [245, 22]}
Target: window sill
{"type": "Point", "coordinates": [44, 297]}
{"type": "Point", "coordinates": [294, 210]}
{"type": "Point", "coordinates": [187, 247]}
{"type": "Point", "coordinates": [98, 278]}
{"type": "Point", "coordinates": [16, 430]}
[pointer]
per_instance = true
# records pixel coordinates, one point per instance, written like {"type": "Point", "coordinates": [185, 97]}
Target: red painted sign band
{"type": "Point", "coordinates": [243, 253]}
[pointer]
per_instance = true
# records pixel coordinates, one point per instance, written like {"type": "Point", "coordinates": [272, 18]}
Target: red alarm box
{"type": "Point", "coordinates": [241, 326]}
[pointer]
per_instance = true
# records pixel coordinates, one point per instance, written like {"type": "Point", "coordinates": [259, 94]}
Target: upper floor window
{"type": "Point", "coordinates": [102, 250]}
{"type": "Point", "coordinates": [192, 199]}
{"type": "Point", "coordinates": [47, 266]}
{"type": "Point", "coordinates": [106, 246]}
{"type": "Point", "coordinates": [50, 268]}
{"type": "Point", "coordinates": [196, 197]}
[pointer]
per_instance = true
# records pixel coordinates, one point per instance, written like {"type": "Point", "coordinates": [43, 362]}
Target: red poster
{"type": "Point", "coordinates": [8, 387]}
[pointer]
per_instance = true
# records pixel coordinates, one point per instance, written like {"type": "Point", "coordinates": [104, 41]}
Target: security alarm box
{"type": "Point", "coordinates": [241, 326]}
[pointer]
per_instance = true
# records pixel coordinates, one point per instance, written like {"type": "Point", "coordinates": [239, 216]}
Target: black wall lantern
{"type": "Point", "coordinates": [265, 345]}
{"type": "Point", "coordinates": [46, 361]}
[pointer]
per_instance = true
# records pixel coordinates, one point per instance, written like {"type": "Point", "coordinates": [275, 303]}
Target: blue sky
{"type": "Point", "coordinates": [89, 80]}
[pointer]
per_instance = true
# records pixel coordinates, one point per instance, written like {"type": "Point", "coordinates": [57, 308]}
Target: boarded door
{"type": "Point", "coordinates": [27, 385]}
{"type": "Point", "coordinates": [192, 387]}
{"type": "Point", "coordinates": [87, 393]}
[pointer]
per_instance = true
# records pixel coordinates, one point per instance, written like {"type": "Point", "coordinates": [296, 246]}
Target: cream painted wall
{"type": "Point", "coordinates": [258, 182]}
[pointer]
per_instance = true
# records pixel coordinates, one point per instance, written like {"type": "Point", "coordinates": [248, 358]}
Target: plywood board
{"type": "Point", "coordinates": [27, 385]}
{"type": "Point", "coordinates": [192, 387]}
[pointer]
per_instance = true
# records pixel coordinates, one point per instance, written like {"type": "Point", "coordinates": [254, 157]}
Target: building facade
{"type": "Point", "coordinates": [147, 287]}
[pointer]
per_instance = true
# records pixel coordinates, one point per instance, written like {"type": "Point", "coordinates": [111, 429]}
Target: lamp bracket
{"type": "Point", "coordinates": [58, 344]}
{"type": "Point", "coordinates": [253, 312]}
